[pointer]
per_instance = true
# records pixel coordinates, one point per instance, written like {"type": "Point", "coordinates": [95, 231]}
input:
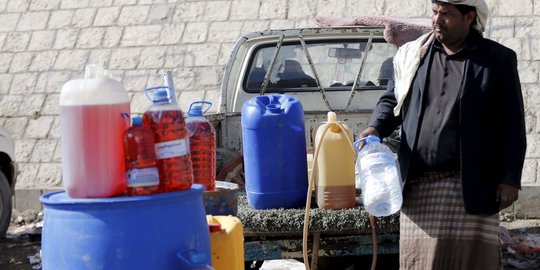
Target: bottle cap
{"type": "Point", "coordinates": [372, 138]}
{"type": "Point", "coordinates": [195, 111]}
{"type": "Point", "coordinates": [332, 117]}
{"type": "Point", "coordinates": [157, 93]}
{"type": "Point", "coordinates": [214, 227]}
{"type": "Point", "coordinates": [161, 95]}
{"type": "Point", "coordinates": [136, 120]}
{"type": "Point", "coordinates": [274, 108]}
{"type": "Point", "coordinates": [92, 71]}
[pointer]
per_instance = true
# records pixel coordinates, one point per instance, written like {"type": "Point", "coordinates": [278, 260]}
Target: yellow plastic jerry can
{"type": "Point", "coordinates": [334, 170]}
{"type": "Point", "coordinates": [227, 242]}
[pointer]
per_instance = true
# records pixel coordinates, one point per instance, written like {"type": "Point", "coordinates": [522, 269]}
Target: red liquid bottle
{"type": "Point", "coordinates": [167, 123]}
{"type": "Point", "coordinates": [202, 145]}
{"type": "Point", "coordinates": [141, 170]}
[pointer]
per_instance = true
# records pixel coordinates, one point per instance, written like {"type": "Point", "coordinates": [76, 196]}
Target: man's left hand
{"type": "Point", "coordinates": [506, 195]}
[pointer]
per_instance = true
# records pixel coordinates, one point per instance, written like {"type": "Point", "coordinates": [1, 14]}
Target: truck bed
{"type": "Point", "coordinates": [277, 233]}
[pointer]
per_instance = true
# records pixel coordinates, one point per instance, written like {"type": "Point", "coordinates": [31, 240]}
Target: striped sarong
{"type": "Point", "coordinates": [437, 233]}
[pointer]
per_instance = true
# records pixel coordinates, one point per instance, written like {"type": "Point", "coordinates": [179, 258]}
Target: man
{"type": "Point", "coordinates": [457, 97]}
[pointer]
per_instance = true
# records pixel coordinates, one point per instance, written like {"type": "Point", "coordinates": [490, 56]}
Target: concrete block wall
{"type": "Point", "coordinates": [44, 43]}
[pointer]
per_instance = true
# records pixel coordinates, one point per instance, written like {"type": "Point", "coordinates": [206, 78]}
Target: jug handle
{"type": "Point", "coordinates": [201, 102]}
{"type": "Point", "coordinates": [359, 144]}
{"type": "Point", "coordinates": [192, 259]}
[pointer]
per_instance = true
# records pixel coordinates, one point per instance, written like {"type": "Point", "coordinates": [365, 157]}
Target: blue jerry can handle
{"type": "Point", "coordinates": [193, 260]}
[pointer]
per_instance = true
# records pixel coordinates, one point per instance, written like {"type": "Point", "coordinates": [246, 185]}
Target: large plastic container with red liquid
{"type": "Point", "coordinates": [166, 121]}
{"type": "Point", "coordinates": [94, 114]}
{"type": "Point", "coordinates": [202, 145]}
{"type": "Point", "coordinates": [142, 176]}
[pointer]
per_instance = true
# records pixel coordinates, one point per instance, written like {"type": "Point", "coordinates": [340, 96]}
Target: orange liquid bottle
{"type": "Point", "coordinates": [166, 121]}
{"type": "Point", "coordinates": [202, 144]}
{"type": "Point", "coordinates": [141, 171]}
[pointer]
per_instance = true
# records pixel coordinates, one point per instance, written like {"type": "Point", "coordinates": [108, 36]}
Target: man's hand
{"type": "Point", "coordinates": [506, 195]}
{"type": "Point", "coordinates": [369, 131]}
{"type": "Point", "coordinates": [366, 132]}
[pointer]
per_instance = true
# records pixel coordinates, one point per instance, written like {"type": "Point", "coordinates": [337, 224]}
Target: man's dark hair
{"type": "Point", "coordinates": [464, 9]}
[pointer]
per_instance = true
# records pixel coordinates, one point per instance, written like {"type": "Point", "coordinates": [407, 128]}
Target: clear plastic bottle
{"type": "Point", "coordinates": [167, 122]}
{"type": "Point", "coordinates": [379, 178]}
{"type": "Point", "coordinates": [141, 169]}
{"type": "Point", "coordinates": [202, 145]}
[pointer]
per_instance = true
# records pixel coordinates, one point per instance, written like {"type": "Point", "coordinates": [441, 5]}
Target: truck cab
{"type": "Point", "coordinates": [341, 69]}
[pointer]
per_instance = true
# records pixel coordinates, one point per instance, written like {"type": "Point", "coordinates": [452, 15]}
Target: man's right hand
{"type": "Point", "coordinates": [366, 132]}
{"type": "Point", "coordinates": [369, 131]}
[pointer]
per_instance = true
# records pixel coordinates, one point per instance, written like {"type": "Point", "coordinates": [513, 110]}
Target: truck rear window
{"type": "Point", "coordinates": [336, 64]}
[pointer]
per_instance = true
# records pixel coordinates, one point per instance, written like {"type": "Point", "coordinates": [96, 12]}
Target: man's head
{"type": "Point", "coordinates": [451, 25]}
{"type": "Point", "coordinates": [479, 7]}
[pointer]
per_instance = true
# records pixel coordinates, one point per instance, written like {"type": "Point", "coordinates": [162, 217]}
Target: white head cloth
{"type": "Point", "coordinates": [481, 11]}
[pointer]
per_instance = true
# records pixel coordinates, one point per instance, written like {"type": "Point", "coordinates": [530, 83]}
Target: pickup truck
{"type": "Point", "coordinates": [340, 69]}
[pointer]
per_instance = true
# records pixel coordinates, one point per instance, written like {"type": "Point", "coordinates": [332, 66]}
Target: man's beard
{"type": "Point", "coordinates": [440, 35]}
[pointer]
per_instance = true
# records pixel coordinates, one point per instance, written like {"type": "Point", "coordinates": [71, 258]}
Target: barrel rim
{"type": "Point", "coordinates": [61, 197]}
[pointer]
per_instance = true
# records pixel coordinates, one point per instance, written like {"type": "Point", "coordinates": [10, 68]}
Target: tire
{"type": "Point", "coordinates": [5, 205]}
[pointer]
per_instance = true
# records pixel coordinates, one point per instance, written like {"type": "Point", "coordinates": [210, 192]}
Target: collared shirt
{"type": "Point", "coordinates": [437, 147]}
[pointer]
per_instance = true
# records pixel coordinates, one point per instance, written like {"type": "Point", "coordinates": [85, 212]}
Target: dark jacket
{"type": "Point", "coordinates": [491, 116]}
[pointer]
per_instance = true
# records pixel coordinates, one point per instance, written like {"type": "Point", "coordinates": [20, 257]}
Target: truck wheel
{"type": "Point", "coordinates": [5, 205]}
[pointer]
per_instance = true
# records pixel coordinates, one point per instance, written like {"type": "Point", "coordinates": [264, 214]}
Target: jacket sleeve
{"type": "Point", "coordinates": [383, 118]}
{"type": "Point", "coordinates": [511, 117]}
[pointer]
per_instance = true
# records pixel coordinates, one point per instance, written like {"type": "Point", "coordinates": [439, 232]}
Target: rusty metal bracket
{"type": "Point", "coordinates": [311, 66]}
{"type": "Point", "coordinates": [271, 68]}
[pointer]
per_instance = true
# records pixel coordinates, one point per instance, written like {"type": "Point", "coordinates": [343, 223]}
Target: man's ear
{"type": "Point", "coordinates": [470, 17]}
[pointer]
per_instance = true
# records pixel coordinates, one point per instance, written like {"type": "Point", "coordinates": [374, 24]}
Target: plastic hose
{"type": "Point", "coordinates": [308, 203]}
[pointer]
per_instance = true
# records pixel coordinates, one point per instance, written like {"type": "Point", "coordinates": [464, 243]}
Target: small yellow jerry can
{"type": "Point", "coordinates": [227, 242]}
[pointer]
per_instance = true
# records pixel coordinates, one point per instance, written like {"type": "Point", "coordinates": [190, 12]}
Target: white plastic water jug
{"type": "Point", "coordinates": [94, 114]}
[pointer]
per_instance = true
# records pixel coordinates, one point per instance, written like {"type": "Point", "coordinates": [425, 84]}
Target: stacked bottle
{"type": "Point", "coordinates": [202, 145]}
{"type": "Point", "coordinates": [141, 170]}
{"type": "Point", "coordinates": [167, 123]}
{"type": "Point", "coordinates": [379, 178]}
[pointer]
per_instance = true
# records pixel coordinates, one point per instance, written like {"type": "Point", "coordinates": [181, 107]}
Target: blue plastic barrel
{"type": "Point", "coordinates": [161, 231]}
{"type": "Point", "coordinates": [274, 147]}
